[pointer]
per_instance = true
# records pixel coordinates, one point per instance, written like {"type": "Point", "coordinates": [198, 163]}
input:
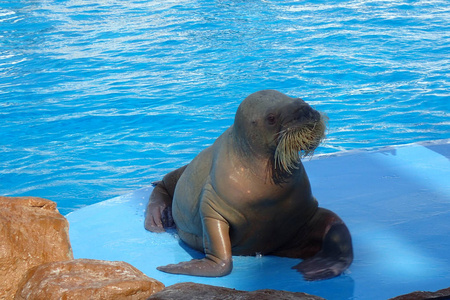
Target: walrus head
{"type": "Point", "coordinates": [282, 129]}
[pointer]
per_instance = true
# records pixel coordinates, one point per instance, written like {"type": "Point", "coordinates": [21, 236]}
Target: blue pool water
{"type": "Point", "coordinates": [99, 98]}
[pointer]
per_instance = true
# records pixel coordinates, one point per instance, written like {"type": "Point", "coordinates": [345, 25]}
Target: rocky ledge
{"type": "Point", "coordinates": [36, 262]}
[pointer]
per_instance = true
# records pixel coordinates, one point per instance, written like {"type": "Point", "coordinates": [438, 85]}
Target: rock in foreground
{"type": "Point", "coordinates": [189, 290]}
{"type": "Point", "coordinates": [32, 232]}
{"type": "Point", "coordinates": [419, 295]}
{"type": "Point", "coordinates": [87, 279]}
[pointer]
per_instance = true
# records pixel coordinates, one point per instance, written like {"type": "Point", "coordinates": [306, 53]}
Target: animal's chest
{"type": "Point", "coordinates": [263, 230]}
{"type": "Point", "coordinates": [264, 225]}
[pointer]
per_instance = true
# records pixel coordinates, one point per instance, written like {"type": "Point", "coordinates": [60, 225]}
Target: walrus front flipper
{"type": "Point", "coordinates": [335, 256]}
{"type": "Point", "coordinates": [158, 214]}
{"type": "Point", "coordinates": [217, 244]}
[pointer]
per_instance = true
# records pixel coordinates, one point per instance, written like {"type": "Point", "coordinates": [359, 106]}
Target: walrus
{"type": "Point", "coordinates": [249, 194]}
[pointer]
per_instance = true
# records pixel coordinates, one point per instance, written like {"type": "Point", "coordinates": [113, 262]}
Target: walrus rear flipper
{"type": "Point", "coordinates": [335, 256]}
{"type": "Point", "coordinates": [158, 214]}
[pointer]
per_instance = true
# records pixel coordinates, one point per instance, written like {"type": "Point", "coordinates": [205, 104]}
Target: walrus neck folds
{"type": "Point", "coordinates": [247, 152]}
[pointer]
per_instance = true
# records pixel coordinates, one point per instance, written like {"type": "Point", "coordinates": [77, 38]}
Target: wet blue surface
{"type": "Point", "coordinates": [100, 98]}
{"type": "Point", "coordinates": [395, 202]}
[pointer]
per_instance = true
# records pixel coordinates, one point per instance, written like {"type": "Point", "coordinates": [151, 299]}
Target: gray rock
{"type": "Point", "coordinates": [189, 291]}
{"type": "Point", "coordinates": [420, 295]}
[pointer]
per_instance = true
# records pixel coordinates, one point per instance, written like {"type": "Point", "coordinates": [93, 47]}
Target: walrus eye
{"type": "Point", "coordinates": [271, 119]}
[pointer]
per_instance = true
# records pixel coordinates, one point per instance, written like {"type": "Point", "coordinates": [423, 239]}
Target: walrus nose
{"type": "Point", "coordinates": [306, 113]}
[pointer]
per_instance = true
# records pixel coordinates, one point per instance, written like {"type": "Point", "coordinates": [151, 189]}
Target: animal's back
{"type": "Point", "coordinates": [188, 192]}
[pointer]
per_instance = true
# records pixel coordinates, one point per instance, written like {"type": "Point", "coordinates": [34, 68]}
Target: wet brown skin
{"type": "Point", "coordinates": [238, 197]}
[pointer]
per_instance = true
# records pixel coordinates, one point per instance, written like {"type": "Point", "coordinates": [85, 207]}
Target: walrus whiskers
{"type": "Point", "coordinates": [296, 143]}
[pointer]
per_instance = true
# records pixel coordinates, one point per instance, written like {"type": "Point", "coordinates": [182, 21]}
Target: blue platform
{"type": "Point", "coordinates": [395, 201]}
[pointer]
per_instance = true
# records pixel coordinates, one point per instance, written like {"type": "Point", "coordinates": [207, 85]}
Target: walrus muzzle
{"type": "Point", "coordinates": [296, 142]}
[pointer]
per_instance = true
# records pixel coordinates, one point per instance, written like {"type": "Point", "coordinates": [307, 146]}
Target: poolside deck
{"type": "Point", "coordinates": [395, 200]}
